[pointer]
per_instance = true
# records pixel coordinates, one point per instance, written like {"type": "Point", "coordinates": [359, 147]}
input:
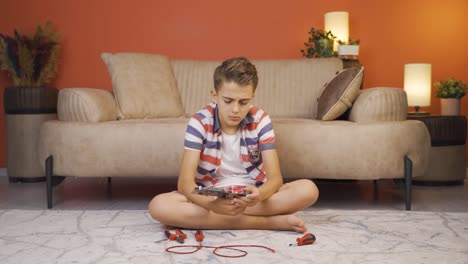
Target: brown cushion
{"type": "Point", "coordinates": [339, 94]}
{"type": "Point", "coordinates": [144, 86]}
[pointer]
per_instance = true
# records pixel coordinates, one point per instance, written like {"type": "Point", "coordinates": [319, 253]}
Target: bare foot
{"type": "Point", "coordinates": [288, 222]}
{"type": "Point", "coordinates": [296, 223]}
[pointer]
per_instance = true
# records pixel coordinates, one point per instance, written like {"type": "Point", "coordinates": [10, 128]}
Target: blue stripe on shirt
{"type": "Point", "coordinates": [249, 169]}
{"type": "Point", "coordinates": [213, 145]}
{"type": "Point", "coordinates": [202, 171]}
{"type": "Point", "coordinates": [251, 141]}
{"type": "Point", "coordinates": [193, 145]}
{"type": "Point", "coordinates": [265, 129]}
{"type": "Point", "coordinates": [267, 146]}
{"type": "Point", "coordinates": [200, 115]}
{"type": "Point", "coordinates": [192, 131]}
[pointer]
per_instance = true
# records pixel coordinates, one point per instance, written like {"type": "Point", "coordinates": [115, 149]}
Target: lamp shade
{"type": "Point", "coordinates": [417, 84]}
{"type": "Point", "coordinates": [338, 23]}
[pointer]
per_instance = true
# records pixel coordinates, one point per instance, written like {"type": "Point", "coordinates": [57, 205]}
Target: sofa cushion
{"type": "Point", "coordinates": [379, 104]}
{"type": "Point", "coordinates": [86, 105]}
{"type": "Point", "coordinates": [144, 86]}
{"type": "Point", "coordinates": [339, 94]}
{"type": "Point", "coordinates": [286, 88]}
{"type": "Point", "coordinates": [347, 150]}
{"type": "Point", "coordinates": [124, 148]}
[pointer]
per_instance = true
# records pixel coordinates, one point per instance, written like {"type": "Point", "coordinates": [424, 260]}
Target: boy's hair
{"type": "Point", "coordinates": [239, 70]}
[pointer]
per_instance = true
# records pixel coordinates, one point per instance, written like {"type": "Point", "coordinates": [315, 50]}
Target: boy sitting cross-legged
{"type": "Point", "coordinates": [231, 143]}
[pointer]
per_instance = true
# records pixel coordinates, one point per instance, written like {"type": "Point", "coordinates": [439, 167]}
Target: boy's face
{"type": "Point", "coordinates": [233, 104]}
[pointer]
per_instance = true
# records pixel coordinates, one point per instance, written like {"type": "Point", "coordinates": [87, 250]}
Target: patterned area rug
{"type": "Point", "coordinates": [358, 236]}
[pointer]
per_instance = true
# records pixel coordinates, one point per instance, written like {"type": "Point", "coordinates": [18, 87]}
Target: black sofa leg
{"type": "Point", "coordinates": [49, 172]}
{"type": "Point", "coordinates": [109, 180]}
{"type": "Point", "coordinates": [408, 181]}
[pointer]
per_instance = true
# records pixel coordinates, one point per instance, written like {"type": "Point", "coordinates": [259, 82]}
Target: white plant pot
{"type": "Point", "coordinates": [449, 106]}
{"type": "Point", "coordinates": [348, 50]}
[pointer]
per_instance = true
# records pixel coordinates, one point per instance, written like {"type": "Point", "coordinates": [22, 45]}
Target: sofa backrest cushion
{"type": "Point", "coordinates": [339, 94]}
{"type": "Point", "coordinates": [194, 81]}
{"type": "Point", "coordinates": [286, 88]}
{"type": "Point", "coordinates": [144, 86]}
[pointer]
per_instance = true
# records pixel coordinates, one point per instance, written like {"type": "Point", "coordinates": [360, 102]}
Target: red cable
{"type": "Point", "coordinates": [229, 247]}
{"type": "Point", "coordinates": [232, 248]}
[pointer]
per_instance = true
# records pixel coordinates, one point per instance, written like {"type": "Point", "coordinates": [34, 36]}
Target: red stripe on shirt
{"type": "Point", "coordinates": [207, 178]}
{"type": "Point", "coordinates": [261, 176]}
{"type": "Point", "coordinates": [208, 128]}
{"type": "Point", "coordinates": [267, 141]}
{"type": "Point", "coordinates": [253, 111]}
{"type": "Point", "coordinates": [210, 159]}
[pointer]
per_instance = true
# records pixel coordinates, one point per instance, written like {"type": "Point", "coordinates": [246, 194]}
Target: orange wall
{"type": "Point", "coordinates": [392, 33]}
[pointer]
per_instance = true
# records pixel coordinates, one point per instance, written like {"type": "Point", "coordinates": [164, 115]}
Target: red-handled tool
{"type": "Point", "coordinates": [171, 236]}
{"type": "Point", "coordinates": [307, 239]}
{"type": "Point", "coordinates": [199, 236]}
{"type": "Point", "coordinates": [180, 234]}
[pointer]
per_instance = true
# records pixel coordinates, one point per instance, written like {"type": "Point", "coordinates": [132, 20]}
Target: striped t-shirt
{"type": "Point", "coordinates": [204, 134]}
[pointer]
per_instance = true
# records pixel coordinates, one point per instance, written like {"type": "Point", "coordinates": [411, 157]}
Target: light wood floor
{"type": "Point", "coordinates": [135, 193]}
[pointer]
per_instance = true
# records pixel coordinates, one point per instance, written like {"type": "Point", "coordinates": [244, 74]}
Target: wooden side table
{"type": "Point", "coordinates": [26, 108]}
{"type": "Point", "coordinates": [348, 63]}
{"type": "Point", "coordinates": [447, 154]}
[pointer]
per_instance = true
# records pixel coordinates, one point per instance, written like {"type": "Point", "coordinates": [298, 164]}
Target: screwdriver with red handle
{"type": "Point", "coordinates": [181, 234]}
{"type": "Point", "coordinates": [174, 237]}
{"type": "Point", "coordinates": [307, 239]}
{"type": "Point", "coordinates": [199, 236]}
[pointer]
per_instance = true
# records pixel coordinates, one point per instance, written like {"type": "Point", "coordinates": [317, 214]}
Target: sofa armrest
{"type": "Point", "coordinates": [379, 104]}
{"type": "Point", "coordinates": [86, 105]}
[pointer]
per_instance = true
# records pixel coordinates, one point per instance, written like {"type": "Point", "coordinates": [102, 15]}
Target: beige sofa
{"type": "Point", "coordinates": [95, 138]}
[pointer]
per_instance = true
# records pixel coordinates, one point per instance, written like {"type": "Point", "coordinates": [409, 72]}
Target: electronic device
{"type": "Point", "coordinates": [225, 193]}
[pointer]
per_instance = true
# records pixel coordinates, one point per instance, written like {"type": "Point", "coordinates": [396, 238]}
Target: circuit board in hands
{"type": "Point", "coordinates": [225, 193]}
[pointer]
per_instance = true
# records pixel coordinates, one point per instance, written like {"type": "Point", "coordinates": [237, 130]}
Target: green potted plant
{"type": "Point", "coordinates": [31, 61]}
{"type": "Point", "coordinates": [450, 91]}
{"type": "Point", "coordinates": [348, 48]}
{"type": "Point", "coordinates": [319, 44]}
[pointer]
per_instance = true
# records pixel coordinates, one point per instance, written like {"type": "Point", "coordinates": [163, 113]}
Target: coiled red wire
{"type": "Point", "coordinates": [243, 253]}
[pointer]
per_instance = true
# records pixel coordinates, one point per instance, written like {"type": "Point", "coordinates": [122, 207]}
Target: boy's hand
{"type": "Point", "coordinates": [225, 206]}
{"type": "Point", "coordinates": [251, 199]}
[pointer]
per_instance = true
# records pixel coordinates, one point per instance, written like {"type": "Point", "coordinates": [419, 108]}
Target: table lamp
{"type": "Point", "coordinates": [338, 23]}
{"type": "Point", "coordinates": [417, 86]}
